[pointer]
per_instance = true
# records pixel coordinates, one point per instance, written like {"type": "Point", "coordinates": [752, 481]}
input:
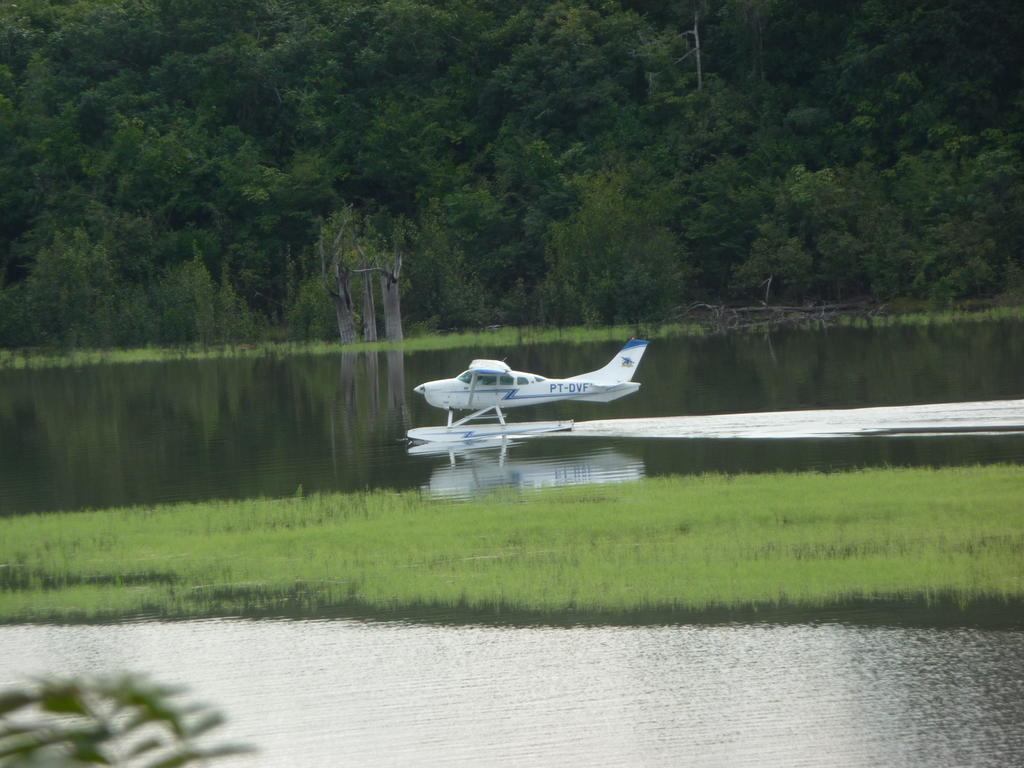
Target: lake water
{"type": "Point", "coordinates": [894, 685]}
{"type": "Point", "coordinates": [142, 434]}
{"type": "Point", "coordinates": [345, 692]}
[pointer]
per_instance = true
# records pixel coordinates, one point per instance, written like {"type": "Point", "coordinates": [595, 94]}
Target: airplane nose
{"type": "Point", "coordinates": [419, 390]}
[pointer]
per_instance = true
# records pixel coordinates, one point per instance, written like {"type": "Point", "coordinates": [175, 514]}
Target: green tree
{"type": "Point", "coordinates": [610, 262]}
{"type": "Point", "coordinates": [186, 297]}
{"type": "Point", "coordinates": [70, 292]}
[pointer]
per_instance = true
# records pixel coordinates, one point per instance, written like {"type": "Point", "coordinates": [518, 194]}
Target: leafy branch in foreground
{"type": "Point", "coordinates": [126, 721]}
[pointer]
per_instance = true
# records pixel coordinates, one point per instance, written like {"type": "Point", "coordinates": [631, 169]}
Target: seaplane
{"type": "Point", "coordinates": [490, 387]}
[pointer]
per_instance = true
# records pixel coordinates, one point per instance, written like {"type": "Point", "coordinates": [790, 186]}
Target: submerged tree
{"type": "Point", "coordinates": [389, 270]}
{"type": "Point", "coordinates": [336, 270]}
{"type": "Point", "coordinates": [389, 287]}
{"type": "Point", "coordinates": [350, 245]}
{"type": "Point", "coordinates": [369, 303]}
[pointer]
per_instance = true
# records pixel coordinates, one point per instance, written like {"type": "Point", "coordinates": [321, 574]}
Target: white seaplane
{"type": "Point", "coordinates": [490, 387]}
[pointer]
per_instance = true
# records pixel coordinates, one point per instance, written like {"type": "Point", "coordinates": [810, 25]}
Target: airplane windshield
{"type": "Point", "coordinates": [466, 377]}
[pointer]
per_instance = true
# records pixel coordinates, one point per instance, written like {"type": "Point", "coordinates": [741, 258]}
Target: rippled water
{"type": "Point", "coordinates": [343, 692]}
{"type": "Point", "coordinates": [989, 418]}
{"type": "Point", "coordinates": [143, 434]}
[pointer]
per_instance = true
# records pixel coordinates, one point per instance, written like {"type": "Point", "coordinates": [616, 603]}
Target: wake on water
{"type": "Point", "coordinates": [974, 418]}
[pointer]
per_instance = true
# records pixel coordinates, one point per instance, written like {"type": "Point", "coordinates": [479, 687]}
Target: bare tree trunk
{"type": "Point", "coordinates": [369, 306]}
{"type": "Point", "coordinates": [756, 22]}
{"type": "Point", "coordinates": [392, 308]}
{"type": "Point", "coordinates": [343, 309]}
{"type": "Point", "coordinates": [346, 322]}
{"type": "Point", "coordinates": [695, 51]}
{"type": "Point", "coordinates": [340, 292]}
{"type": "Point", "coordinates": [389, 287]}
{"type": "Point", "coordinates": [696, 43]}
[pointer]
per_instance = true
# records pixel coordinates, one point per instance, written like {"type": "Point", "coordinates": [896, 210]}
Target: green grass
{"type": "Point", "coordinates": [661, 544]}
{"type": "Point", "coordinates": [35, 358]}
{"type": "Point", "coordinates": [18, 359]}
{"type": "Point", "coordinates": [946, 317]}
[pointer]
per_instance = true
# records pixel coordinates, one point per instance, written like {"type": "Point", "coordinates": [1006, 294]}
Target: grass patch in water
{"type": "Point", "coordinates": [944, 317]}
{"type": "Point", "coordinates": [490, 338]}
{"type": "Point", "coordinates": [498, 337]}
{"type": "Point", "coordinates": [668, 543]}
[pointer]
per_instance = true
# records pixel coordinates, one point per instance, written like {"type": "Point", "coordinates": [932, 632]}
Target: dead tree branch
{"type": "Point", "coordinates": [721, 318]}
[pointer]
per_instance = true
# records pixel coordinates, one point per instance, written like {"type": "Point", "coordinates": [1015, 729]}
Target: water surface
{"type": "Point", "coordinates": [345, 692]}
{"type": "Point", "coordinates": [195, 430]}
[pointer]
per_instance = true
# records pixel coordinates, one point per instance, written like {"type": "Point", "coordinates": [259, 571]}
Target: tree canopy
{"type": "Point", "coordinates": [167, 166]}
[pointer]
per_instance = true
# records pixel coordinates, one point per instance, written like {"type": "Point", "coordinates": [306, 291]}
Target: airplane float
{"type": "Point", "coordinates": [489, 388]}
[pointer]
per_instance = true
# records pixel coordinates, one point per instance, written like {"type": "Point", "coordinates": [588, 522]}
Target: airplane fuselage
{"type": "Point", "coordinates": [515, 389]}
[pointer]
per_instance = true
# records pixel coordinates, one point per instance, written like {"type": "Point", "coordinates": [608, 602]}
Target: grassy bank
{"type": "Point", "coordinates": [16, 359]}
{"type": "Point", "coordinates": [683, 543]}
{"type": "Point", "coordinates": [498, 337]}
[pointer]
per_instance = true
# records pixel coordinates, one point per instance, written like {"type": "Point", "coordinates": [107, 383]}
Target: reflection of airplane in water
{"type": "Point", "coordinates": [485, 465]}
{"type": "Point", "coordinates": [491, 386]}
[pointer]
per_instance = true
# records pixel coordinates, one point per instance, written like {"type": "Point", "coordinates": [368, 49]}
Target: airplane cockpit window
{"type": "Point", "coordinates": [466, 377]}
{"type": "Point", "coordinates": [487, 381]}
{"type": "Point", "coordinates": [507, 380]}
{"type": "Point", "coordinates": [522, 380]}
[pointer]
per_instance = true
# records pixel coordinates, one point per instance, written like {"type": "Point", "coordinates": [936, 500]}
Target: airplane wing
{"type": "Point", "coordinates": [489, 366]}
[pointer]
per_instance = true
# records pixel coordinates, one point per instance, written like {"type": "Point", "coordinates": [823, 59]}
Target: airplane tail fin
{"type": "Point", "coordinates": [621, 367]}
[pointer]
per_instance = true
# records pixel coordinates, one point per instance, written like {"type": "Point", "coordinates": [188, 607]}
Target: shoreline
{"type": "Point", "coordinates": [704, 323]}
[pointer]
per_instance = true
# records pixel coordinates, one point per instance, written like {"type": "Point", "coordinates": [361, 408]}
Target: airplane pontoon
{"type": "Point", "coordinates": [490, 387]}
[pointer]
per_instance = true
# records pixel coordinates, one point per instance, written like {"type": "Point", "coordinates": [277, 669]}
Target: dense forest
{"type": "Point", "coordinates": [169, 167]}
